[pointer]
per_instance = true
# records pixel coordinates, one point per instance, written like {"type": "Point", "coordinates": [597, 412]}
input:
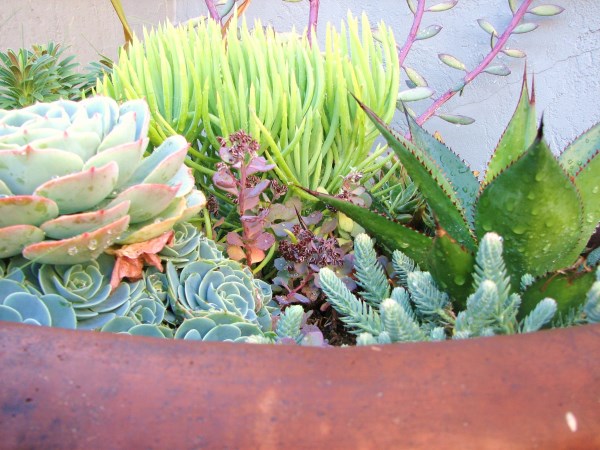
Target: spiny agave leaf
{"type": "Point", "coordinates": [26, 210]}
{"type": "Point", "coordinates": [14, 238]}
{"type": "Point", "coordinates": [82, 190]}
{"type": "Point", "coordinates": [390, 234]}
{"type": "Point", "coordinates": [78, 249]}
{"type": "Point", "coordinates": [452, 61]}
{"type": "Point", "coordinates": [415, 94]}
{"type": "Point", "coordinates": [568, 289]}
{"type": "Point", "coordinates": [456, 119]}
{"type": "Point", "coordinates": [430, 179]}
{"type": "Point", "coordinates": [588, 184]}
{"type": "Point", "coordinates": [580, 151]}
{"type": "Point", "coordinates": [514, 53]}
{"type": "Point", "coordinates": [518, 135]}
{"type": "Point", "coordinates": [444, 6]}
{"type": "Point", "coordinates": [525, 28]}
{"type": "Point", "coordinates": [500, 70]}
{"type": "Point", "coordinates": [141, 208]}
{"type": "Point", "coordinates": [462, 180]}
{"type": "Point", "coordinates": [414, 76]}
{"type": "Point", "coordinates": [535, 207]}
{"type": "Point", "coordinates": [68, 226]}
{"type": "Point", "coordinates": [487, 27]}
{"type": "Point", "coordinates": [428, 32]}
{"type": "Point", "coordinates": [451, 266]}
{"type": "Point", "coordinates": [546, 10]}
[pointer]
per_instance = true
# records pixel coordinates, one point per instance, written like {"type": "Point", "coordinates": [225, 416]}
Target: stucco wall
{"type": "Point", "coordinates": [563, 53]}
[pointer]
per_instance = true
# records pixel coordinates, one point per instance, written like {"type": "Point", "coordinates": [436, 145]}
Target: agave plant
{"type": "Point", "coordinates": [74, 180]}
{"type": "Point", "coordinates": [290, 96]}
{"type": "Point", "coordinates": [545, 208]}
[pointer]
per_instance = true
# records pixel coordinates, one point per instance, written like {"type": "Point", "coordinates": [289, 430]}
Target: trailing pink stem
{"type": "Point", "coordinates": [212, 9]}
{"type": "Point", "coordinates": [313, 16]}
{"type": "Point", "coordinates": [482, 65]}
{"type": "Point", "coordinates": [412, 35]}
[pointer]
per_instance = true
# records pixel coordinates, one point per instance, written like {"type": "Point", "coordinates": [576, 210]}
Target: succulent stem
{"type": "Point", "coordinates": [313, 16]}
{"type": "Point", "coordinates": [412, 35]}
{"type": "Point", "coordinates": [518, 15]}
{"type": "Point", "coordinates": [212, 9]}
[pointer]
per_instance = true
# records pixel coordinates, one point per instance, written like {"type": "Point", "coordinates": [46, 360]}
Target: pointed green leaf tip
{"type": "Point", "coordinates": [535, 207]}
{"type": "Point", "coordinates": [391, 235]}
{"type": "Point", "coordinates": [431, 180]}
{"type": "Point", "coordinates": [517, 137]}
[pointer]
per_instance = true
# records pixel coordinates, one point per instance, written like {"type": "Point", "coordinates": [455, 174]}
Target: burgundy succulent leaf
{"type": "Point", "coordinates": [225, 181]}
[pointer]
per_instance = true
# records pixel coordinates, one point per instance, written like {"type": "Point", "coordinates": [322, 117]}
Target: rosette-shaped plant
{"type": "Point", "coordinates": [206, 286]}
{"type": "Point", "coordinates": [86, 286]}
{"type": "Point", "coordinates": [18, 303]}
{"type": "Point", "coordinates": [185, 247]}
{"type": "Point", "coordinates": [217, 326]}
{"type": "Point", "coordinates": [74, 180]}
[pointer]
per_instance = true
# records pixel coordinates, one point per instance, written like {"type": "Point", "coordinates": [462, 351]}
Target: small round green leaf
{"type": "Point", "coordinates": [451, 61]}
{"type": "Point", "coordinates": [546, 10]}
{"type": "Point", "coordinates": [415, 77]}
{"type": "Point", "coordinates": [444, 6]}
{"type": "Point", "coordinates": [500, 70]}
{"type": "Point", "coordinates": [456, 119]}
{"type": "Point", "coordinates": [412, 95]}
{"type": "Point", "coordinates": [487, 27]}
{"type": "Point", "coordinates": [428, 32]}
{"type": "Point", "coordinates": [514, 53]}
{"type": "Point", "coordinates": [525, 28]}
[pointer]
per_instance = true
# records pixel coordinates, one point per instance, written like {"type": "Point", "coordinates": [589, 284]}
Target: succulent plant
{"type": "Point", "coordinates": [417, 310]}
{"type": "Point", "coordinates": [217, 326]}
{"type": "Point", "coordinates": [545, 209]}
{"type": "Point", "coordinates": [19, 303]}
{"type": "Point", "coordinates": [37, 75]}
{"type": "Point", "coordinates": [290, 96]}
{"type": "Point", "coordinates": [204, 287]}
{"type": "Point", "coordinates": [74, 181]}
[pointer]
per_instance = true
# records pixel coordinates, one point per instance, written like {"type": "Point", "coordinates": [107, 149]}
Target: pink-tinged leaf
{"type": "Point", "coordinates": [226, 182]}
{"type": "Point", "coordinates": [253, 225]}
{"type": "Point", "coordinates": [234, 239]}
{"type": "Point", "coordinates": [258, 164]}
{"type": "Point", "coordinates": [264, 241]}
{"type": "Point", "coordinates": [250, 197]}
{"type": "Point", "coordinates": [228, 156]}
{"type": "Point", "coordinates": [236, 253]}
{"type": "Point", "coordinates": [256, 255]}
{"type": "Point", "coordinates": [131, 258]}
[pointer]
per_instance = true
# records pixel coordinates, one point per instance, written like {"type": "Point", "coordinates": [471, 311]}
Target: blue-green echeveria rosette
{"type": "Point", "coordinates": [207, 286]}
{"type": "Point", "coordinates": [23, 304]}
{"type": "Point", "coordinates": [87, 288]}
{"type": "Point", "coordinates": [185, 247]}
{"type": "Point", "coordinates": [74, 180]}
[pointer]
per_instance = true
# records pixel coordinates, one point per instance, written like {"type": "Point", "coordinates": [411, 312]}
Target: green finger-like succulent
{"type": "Point", "coordinates": [544, 208]}
{"type": "Point", "coordinates": [74, 180]}
{"type": "Point", "coordinates": [293, 98]}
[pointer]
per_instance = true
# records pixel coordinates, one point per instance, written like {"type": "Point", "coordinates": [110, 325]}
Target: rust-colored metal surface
{"type": "Point", "coordinates": [63, 389]}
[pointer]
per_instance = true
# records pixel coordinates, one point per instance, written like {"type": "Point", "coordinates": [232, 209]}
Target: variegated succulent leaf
{"type": "Point", "coordinates": [73, 180]}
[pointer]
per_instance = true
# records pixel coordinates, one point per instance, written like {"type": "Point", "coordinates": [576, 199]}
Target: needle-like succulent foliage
{"type": "Point", "coordinates": [293, 98]}
{"type": "Point", "coordinates": [74, 180]}
{"type": "Point", "coordinates": [417, 310]}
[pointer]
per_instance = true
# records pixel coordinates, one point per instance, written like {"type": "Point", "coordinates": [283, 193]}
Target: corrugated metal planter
{"type": "Point", "coordinates": [65, 389]}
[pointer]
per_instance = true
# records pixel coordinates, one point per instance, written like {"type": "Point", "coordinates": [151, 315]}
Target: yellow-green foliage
{"type": "Point", "coordinates": [294, 99]}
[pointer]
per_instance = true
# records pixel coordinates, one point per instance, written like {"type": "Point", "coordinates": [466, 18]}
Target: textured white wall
{"type": "Point", "coordinates": [563, 53]}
